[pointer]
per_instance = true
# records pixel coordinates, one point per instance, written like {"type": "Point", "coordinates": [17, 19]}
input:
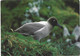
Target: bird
{"type": "Point", "coordinates": [39, 29]}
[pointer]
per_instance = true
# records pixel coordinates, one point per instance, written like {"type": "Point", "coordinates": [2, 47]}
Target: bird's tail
{"type": "Point", "coordinates": [17, 30]}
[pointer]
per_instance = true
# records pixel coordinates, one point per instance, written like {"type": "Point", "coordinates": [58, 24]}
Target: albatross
{"type": "Point", "coordinates": [40, 29]}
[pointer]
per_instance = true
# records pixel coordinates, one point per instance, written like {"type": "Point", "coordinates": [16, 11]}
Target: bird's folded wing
{"type": "Point", "coordinates": [30, 28]}
{"type": "Point", "coordinates": [43, 32]}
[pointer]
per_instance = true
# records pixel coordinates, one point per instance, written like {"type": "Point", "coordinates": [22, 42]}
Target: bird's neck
{"type": "Point", "coordinates": [50, 26]}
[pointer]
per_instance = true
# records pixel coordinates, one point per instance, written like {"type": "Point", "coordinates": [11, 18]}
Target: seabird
{"type": "Point", "coordinates": [40, 29]}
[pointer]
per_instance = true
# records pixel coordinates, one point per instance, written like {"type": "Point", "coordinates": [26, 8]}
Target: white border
{"type": "Point", "coordinates": [79, 12]}
{"type": "Point", "coordinates": [0, 27]}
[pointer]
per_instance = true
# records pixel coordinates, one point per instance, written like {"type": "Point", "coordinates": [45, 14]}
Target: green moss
{"type": "Point", "coordinates": [25, 45]}
{"type": "Point", "coordinates": [16, 44]}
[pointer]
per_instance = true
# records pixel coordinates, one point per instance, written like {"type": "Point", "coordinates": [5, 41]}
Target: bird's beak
{"type": "Point", "coordinates": [59, 25]}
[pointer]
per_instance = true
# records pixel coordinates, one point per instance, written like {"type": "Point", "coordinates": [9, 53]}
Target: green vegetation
{"type": "Point", "coordinates": [15, 44]}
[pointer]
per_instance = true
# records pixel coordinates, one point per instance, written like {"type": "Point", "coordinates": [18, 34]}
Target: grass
{"type": "Point", "coordinates": [16, 44]}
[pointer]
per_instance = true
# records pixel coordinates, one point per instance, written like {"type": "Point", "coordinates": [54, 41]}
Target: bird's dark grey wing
{"type": "Point", "coordinates": [29, 28]}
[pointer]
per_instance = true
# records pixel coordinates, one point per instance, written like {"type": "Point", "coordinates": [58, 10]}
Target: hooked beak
{"type": "Point", "coordinates": [59, 25]}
